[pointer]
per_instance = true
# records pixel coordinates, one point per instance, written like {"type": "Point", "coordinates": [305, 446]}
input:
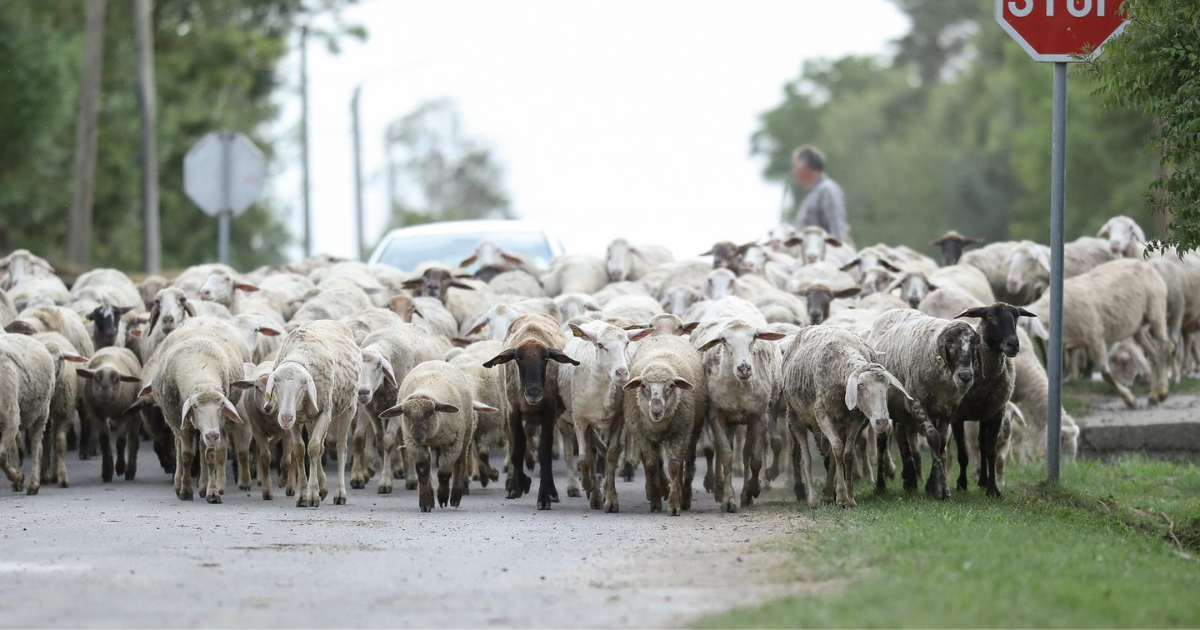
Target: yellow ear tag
{"type": "Point", "coordinates": [267, 396]}
{"type": "Point", "coordinates": [941, 361]}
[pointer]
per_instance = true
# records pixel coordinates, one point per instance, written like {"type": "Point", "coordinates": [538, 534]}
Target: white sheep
{"type": "Point", "coordinates": [836, 388]}
{"type": "Point", "coordinates": [574, 273]}
{"type": "Point", "coordinates": [369, 320]}
{"type": "Point", "coordinates": [193, 277]}
{"type": "Point", "coordinates": [498, 318]}
{"type": "Point", "coordinates": [1029, 263]}
{"type": "Point", "coordinates": [992, 260]}
{"type": "Point", "coordinates": [915, 285]}
{"type": "Point", "coordinates": [39, 291]}
{"type": "Point", "coordinates": [20, 265]}
{"type": "Point", "coordinates": [330, 304]}
{"type": "Point", "coordinates": [26, 389]}
{"type": "Point", "coordinates": [62, 407]}
{"type": "Point", "coordinates": [107, 286]}
{"type": "Point", "coordinates": [315, 383]}
{"type": "Point", "coordinates": [171, 308]}
{"type": "Point", "coordinates": [742, 380]}
{"type": "Point", "coordinates": [726, 307]}
{"type": "Point", "coordinates": [1125, 236]}
{"type": "Point", "coordinates": [262, 334]}
{"type": "Point", "coordinates": [572, 305]}
{"type": "Point", "coordinates": [487, 387]}
{"type": "Point", "coordinates": [639, 308]}
{"type": "Point", "coordinates": [665, 407]}
{"type": "Point", "coordinates": [624, 261]}
{"type": "Point", "coordinates": [517, 283]}
{"type": "Point", "coordinates": [259, 415]}
{"type": "Point", "coordinates": [8, 310]}
{"type": "Point", "coordinates": [225, 289]}
{"type": "Point", "coordinates": [59, 319]}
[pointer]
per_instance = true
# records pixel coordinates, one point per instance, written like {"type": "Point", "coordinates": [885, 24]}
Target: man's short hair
{"type": "Point", "coordinates": [811, 156]}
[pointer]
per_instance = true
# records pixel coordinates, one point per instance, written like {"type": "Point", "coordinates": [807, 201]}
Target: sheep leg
{"type": "Point", "coordinates": [518, 482]}
{"type": "Point", "coordinates": [547, 494]}
{"type": "Point", "coordinates": [213, 459]}
{"type": "Point", "coordinates": [60, 453]}
{"type": "Point", "coordinates": [849, 455]}
{"type": "Point", "coordinates": [739, 443]}
{"type": "Point", "coordinates": [458, 483]}
{"type": "Point", "coordinates": [133, 443]}
{"type": "Point", "coordinates": [310, 496]}
{"type": "Point", "coordinates": [119, 469]}
{"type": "Point", "coordinates": [443, 490]}
{"type": "Point", "coordinates": [612, 458]}
{"type": "Point", "coordinates": [389, 451]}
{"type": "Point", "coordinates": [836, 475]}
{"type": "Point", "coordinates": [801, 465]}
{"type": "Point", "coordinates": [909, 463]}
{"type": "Point", "coordinates": [752, 460]}
{"type": "Point", "coordinates": [586, 471]}
{"type": "Point", "coordinates": [989, 430]}
{"type": "Point", "coordinates": [358, 466]}
{"type": "Point", "coordinates": [689, 465]}
{"type": "Point", "coordinates": [49, 469]}
{"type": "Point", "coordinates": [38, 431]}
{"type": "Point", "coordinates": [723, 476]}
{"type": "Point", "coordinates": [421, 464]}
{"type": "Point", "coordinates": [1099, 350]}
{"type": "Point", "coordinates": [341, 431]}
{"type": "Point", "coordinates": [675, 483]}
{"type": "Point", "coordinates": [628, 465]}
{"type": "Point", "coordinates": [652, 460]}
{"type": "Point", "coordinates": [571, 446]}
{"type": "Point", "coordinates": [239, 435]}
{"type": "Point", "coordinates": [960, 443]}
{"type": "Point", "coordinates": [264, 466]}
{"type": "Point", "coordinates": [1158, 353]}
{"type": "Point", "coordinates": [882, 452]}
{"type": "Point", "coordinates": [183, 464]}
{"type": "Point", "coordinates": [106, 451]}
{"type": "Point", "coordinates": [936, 485]}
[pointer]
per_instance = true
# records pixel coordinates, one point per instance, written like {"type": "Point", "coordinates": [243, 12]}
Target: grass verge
{"type": "Point", "coordinates": [1114, 545]}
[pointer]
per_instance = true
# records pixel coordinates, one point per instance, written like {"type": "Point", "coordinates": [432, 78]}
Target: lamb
{"type": "Point", "coordinates": [952, 245]}
{"type": "Point", "coordinates": [21, 265]}
{"type": "Point", "coordinates": [438, 415]}
{"type": "Point", "coordinates": [575, 273]}
{"type": "Point", "coordinates": [915, 285]}
{"type": "Point", "coordinates": [387, 356]}
{"type": "Point", "coordinates": [1032, 386]}
{"type": "Point", "coordinates": [934, 360]}
{"type": "Point", "coordinates": [192, 384]}
{"type": "Point", "coordinates": [111, 381]}
{"type": "Point", "coordinates": [258, 411]}
{"type": "Point", "coordinates": [1128, 362]}
{"type": "Point", "coordinates": [835, 387]}
{"type": "Point", "coordinates": [517, 283]}
{"type": "Point", "coordinates": [57, 319]}
{"type": "Point", "coordinates": [170, 309]}
{"type": "Point", "coordinates": [369, 320]}
{"type": "Point", "coordinates": [62, 406]}
{"type": "Point", "coordinates": [624, 261]}
{"type": "Point", "coordinates": [225, 289]}
{"type": "Point", "coordinates": [995, 379]}
{"type": "Point", "coordinates": [1125, 237]}
{"type": "Point", "coordinates": [742, 379]}
{"type": "Point", "coordinates": [1183, 297]}
{"type": "Point", "coordinates": [39, 291]}
{"type": "Point", "coordinates": [531, 393]}
{"type": "Point", "coordinates": [665, 407]}
{"type": "Point", "coordinates": [593, 400]}
{"type": "Point", "coordinates": [487, 387]}
{"type": "Point", "coordinates": [315, 382]}
{"type": "Point", "coordinates": [1029, 263]}
{"type": "Point", "coordinates": [27, 380]}
{"type": "Point", "coordinates": [1112, 302]}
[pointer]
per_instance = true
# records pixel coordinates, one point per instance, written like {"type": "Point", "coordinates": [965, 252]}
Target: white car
{"type": "Point", "coordinates": [451, 242]}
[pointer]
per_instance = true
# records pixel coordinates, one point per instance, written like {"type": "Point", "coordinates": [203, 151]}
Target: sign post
{"type": "Point", "coordinates": [1059, 31]}
{"type": "Point", "coordinates": [223, 175]}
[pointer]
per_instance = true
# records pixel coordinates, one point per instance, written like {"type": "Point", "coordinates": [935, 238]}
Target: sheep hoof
{"type": "Point", "coordinates": [266, 496]}
{"type": "Point", "coordinates": [674, 511]}
{"type": "Point", "coordinates": [543, 505]}
{"type": "Point", "coordinates": [244, 488]}
{"type": "Point", "coordinates": [31, 490]}
{"type": "Point", "coordinates": [357, 484]}
{"type": "Point", "coordinates": [185, 495]}
{"type": "Point", "coordinates": [612, 508]}
{"type": "Point", "coordinates": [493, 474]}
{"type": "Point", "coordinates": [324, 493]}
{"type": "Point", "coordinates": [410, 485]}
{"type": "Point", "coordinates": [213, 498]}
{"type": "Point", "coordinates": [573, 493]}
{"type": "Point", "coordinates": [204, 493]}
{"type": "Point", "coordinates": [801, 494]}
{"type": "Point", "coordinates": [384, 489]}
{"type": "Point", "coordinates": [63, 484]}
{"type": "Point", "coordinates": [729, 506]}
{"type": "Point", "coordinates": [291, 492]}
{"type": "Point", "coordinates": [993, 493]}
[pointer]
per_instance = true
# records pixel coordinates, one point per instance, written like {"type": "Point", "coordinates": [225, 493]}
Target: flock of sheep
{"type": "Point", "coordinates": [768, 350]}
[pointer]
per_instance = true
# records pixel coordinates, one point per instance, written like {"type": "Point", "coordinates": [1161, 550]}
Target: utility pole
{"type": "Point", "coordinates": [79, 235]}
{"type": "Point", "coordinates": [151, 238]}
{"type": "Point", "coordinates": [304, 138]}
{"type": "Point", "coordinates": [358, 185]}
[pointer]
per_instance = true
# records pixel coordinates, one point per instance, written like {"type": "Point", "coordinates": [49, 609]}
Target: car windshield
{"type": "Point", "coordinates": [406, 252]}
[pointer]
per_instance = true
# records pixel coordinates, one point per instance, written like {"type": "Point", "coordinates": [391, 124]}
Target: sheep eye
{"type": "Point", "coordinates": [862, 385]}
{"type": "Point", "coordinates": [599, 346]}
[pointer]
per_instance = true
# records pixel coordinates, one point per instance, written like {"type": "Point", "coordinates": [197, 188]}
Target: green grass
{"type": "Point", "coordinates": [1078, 396]}
{"type": "Point", "coordinates": [1093, 551]}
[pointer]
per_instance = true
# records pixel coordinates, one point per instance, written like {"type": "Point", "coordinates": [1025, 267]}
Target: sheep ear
{"type": "Point", "coordinates": [683, 384]}
{"type": "Point", "coordinates": [388, 372]}
{"type": "Point", "coordinates": [852, 391]}
{"type": "Point", "coordinates": [894, 285]}
{"type": "Point", "coordinates": [187, 411]}
{"type": "Point", "coordinates": [829, 240]}
{"type": "Point", "coordinates": [391, 412]}
{"type": "Point", "coordinates": [793, 241]}
{"type": "Point", "coordinates": [1024, 313]}
{"type": "Point", "coordinates": [937, 241]}
{"type": "Point", "coordinates": [444, 408]}
{"type": "Point", "coordinates": [972, 240]}
{"type": "Point", "coordinates": [591, 307]}
{"type": "Point", "coordinates": [896, 384]}
{"type": "Point", "coordinates": [689, 327]}
{"type": "Point", "coordinates": [416, 311]}
{"type": "Point", "coordinates": [75, 358]}
{"type": "Point", "coordinates": [512, 259]}
{"type": "Point", "coordinates": [468, 261]}
{"type": "Point", "coordinates": [1137, 231]}
{"type": "Point", "coordinates": [636, 335]}
{"type": "Point", "coordinates": [246, 288]}
{"type": "Point", "coordinates": [146, 391]}
{"type": "Point", "coordinates": [312, 394]}
{"type": "Point", "coordinates": [125, 378]}
{"type": "Point", "coordinates": [745, 247]}
{"type": "Point", "coordinates": [483, 407]}
{"type": "Point", "coordinates": [558, 356]}
{"type": "Point", "coordinates": [85, 373]}
{"type": "Point", "coordinates": [707, 253]}
{"type": "Point", "coordinates": [478, 327]}
{"type": "Point", "coordinates": [978, 311]}
{"type": "Point", "coordinates": [269, 331]}
{"type": "Point", "coordinates": [1016, 412]}
{"type": "Point", "coordinates": [242, 385]}
{"type": "Point", "coordinates": [633, 384]}
{"type": "Point", "coordinates": [413, 283]}
{"type": "Point", "coordinates": [503, 357]}
{"type": "Point", "coordinates": [853, 263]}
{"type": "Point", "coordinates": [461, 285]}
{"type": "Point", "coordinates": [1105, 229]}
{"type": "Point", "coordinates": [889, 266]}
{"type": "Point", "coordinates": [711, 344]}
{"type": "Point", "coordinates": [189, 308]}
{"type": "Point", "coordinates": [578, 332]}
{"type": "Point", "coordinates": [767, 335]}
{"type": "Point", "coordinates": [846, 293]}
{"type": "Point", "coordinates": [461, 341]}
{"type": "Point", "coordinates": [230, 412]}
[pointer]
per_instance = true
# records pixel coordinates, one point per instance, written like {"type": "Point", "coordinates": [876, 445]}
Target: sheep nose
{"type": "Point", "coordinates": [205, 294]}
{"type": "Point", "coordinates": [364, 391]}
{"type": "Point", "coordinates": [744, 370]}
{"type": "Point", "coordinates": [622, 374]}
{"type": "Point", "coordinates": [812, 258]}
{"type": "Point", "coordinates": [883, 425]}
{"type": "Point", "coordinates": [1115, 247]}
{"type": "Point", "coordinates": [1011, 348]}
{"type": "Point", "coordinates": [286, 420]}
{"type": "Point", "coordinates": [168, 320]}
{"type": "Point", "coordinates": [212, 437]}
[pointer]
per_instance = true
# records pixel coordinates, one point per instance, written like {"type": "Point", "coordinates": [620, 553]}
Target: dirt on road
{"type": "Point", "coordinates": [131, 554]}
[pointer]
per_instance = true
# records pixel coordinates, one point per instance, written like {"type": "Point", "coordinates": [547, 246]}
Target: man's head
{"type": "Point", "coordinates": [808, 164]}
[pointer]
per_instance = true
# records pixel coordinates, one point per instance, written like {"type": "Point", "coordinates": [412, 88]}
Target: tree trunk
{"type": "Point", "coordinates": [151, 238]}
{"type": "Point", "coordinates": [79, 237]}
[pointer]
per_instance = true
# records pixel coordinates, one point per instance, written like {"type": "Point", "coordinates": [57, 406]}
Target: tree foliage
{"type": "Point", "coordinates": [1154, 67]}
{"type": "Point", "coordinates": [436, 173]}
{"type": "Point", "coordinates": [954, 133]}
{"type": "Point", "coordinates": [215, 68]}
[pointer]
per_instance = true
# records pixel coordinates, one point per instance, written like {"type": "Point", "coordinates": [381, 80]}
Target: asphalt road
{"type": "Point", "coordinates": [131, 554]}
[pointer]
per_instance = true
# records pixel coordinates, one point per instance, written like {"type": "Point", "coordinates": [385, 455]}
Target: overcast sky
{"type": "Point", "coordinates": [611, 119]}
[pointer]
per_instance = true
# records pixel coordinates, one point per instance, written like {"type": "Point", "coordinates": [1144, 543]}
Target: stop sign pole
{"type": "Point", "coordinates": [1061, 32]}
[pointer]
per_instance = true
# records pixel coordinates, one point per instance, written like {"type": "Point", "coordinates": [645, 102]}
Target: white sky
{"type": "Point", "coordinates": [611, 119]}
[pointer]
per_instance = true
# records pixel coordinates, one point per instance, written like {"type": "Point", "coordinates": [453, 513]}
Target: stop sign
{"type": "Point", "coordinates": [1057, 30]}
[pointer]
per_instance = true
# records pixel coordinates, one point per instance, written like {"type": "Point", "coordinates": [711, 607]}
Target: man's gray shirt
{"type": "Point", "coordinates": [825, 206]}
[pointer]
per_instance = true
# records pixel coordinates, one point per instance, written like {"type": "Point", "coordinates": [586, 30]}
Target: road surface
{"type": "Point", "coordinates": [131, 554]}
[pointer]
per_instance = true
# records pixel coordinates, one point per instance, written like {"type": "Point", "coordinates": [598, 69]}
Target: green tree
{"type": "Point", "coordinates": [216, 68]}
{"type": "Point", "coordinates": [436, 173]}
{"type": "Point", "coordinates": [1154, 67]}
